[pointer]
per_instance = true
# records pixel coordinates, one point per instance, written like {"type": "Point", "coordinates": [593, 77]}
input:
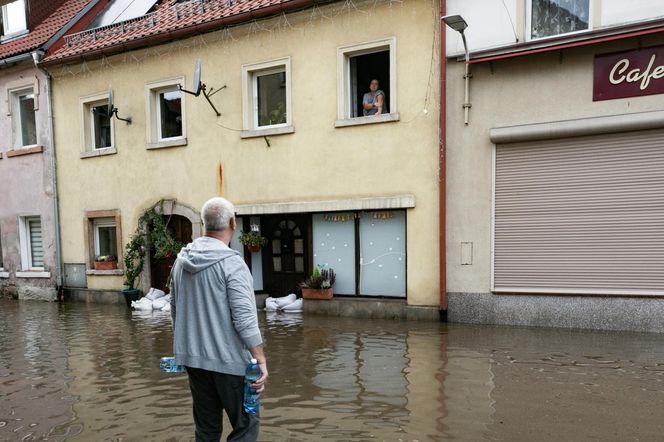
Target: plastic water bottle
{"type": "Point", "coordinates": [167, 364]}
{"type": "Point", "coordinates": [251, 397]}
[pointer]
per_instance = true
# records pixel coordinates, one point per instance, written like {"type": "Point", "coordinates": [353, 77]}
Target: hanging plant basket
{"type": "Point", "coordinates": [253, 248]}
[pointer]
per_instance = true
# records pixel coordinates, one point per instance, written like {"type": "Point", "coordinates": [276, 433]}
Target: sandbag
{"type": "Point", "coordinates": [155, 294]}
{"type": "Point", "coordinates": [159, 303]}
{"type": "Point", "coordinates": [271, 305]}
{"type": "Point", "coordinates": [142, 304]}
{"type": "Point", "coordinates": [294, 306]}
{"type": "Point", "coordinates": [285, 300]}
{"type": "Point", "coordinates": [166, 308]}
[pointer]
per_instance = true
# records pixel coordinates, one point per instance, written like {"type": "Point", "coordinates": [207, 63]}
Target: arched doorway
{"type": "Point", "coordinates": [160, 268]}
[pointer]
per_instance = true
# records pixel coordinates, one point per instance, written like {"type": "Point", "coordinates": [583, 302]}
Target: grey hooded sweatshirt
{"type": "Point", "coordinates": [213, 308]}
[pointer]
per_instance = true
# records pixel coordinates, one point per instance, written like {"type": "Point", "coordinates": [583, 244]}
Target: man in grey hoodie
{"type": "Point", "coordinates": [215, 326]}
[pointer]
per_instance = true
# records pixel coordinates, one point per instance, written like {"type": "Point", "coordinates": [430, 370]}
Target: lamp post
{"type": "Point", "coordinates": [457, 23]}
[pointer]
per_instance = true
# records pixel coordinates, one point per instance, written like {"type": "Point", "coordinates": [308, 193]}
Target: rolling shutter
{"type": "Point", "coordinates": [581, 215]}
{"type": "Point", "coordinates": [36, 245]}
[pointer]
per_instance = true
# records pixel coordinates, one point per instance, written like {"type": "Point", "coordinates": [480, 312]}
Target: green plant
{"type": "Point", "coordinates": [106, 258]}
{"type": "Point", "coordinates": [151, 233]}
{"type": "Point", "coordinates": [252, 238]}
{"type": "Point", "coordinates": [320, 279]}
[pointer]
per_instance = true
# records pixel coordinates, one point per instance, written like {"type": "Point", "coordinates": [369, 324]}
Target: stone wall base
{"type": "Point", "coordinates": [94, 296]}
{"type": "Point", "coordinates": [370, 308]}
{"type": "Point", "coordinates": [28, 292]}
{"type": "Point", "coordinates": [584, 312]}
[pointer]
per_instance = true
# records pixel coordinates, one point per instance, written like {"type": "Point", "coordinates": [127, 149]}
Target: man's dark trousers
{"type": "Point", "coordinates": [213, 393]}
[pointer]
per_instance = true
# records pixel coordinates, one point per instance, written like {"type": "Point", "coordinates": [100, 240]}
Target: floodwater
{"type": "Point", "coordinates": [90, 373]}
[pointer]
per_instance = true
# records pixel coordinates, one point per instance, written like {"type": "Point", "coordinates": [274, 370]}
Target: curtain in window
{"type": "Point", "coordinates": [383, 253]}
{"type": "Point", "coordinates": [555, 17]}
{"type": "Point", "coordinates": [334, 247]}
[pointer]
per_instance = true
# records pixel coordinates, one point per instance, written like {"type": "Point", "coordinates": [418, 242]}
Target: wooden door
{"type": "Point", "coordinates": [160, 269]}
{"type": "Point", "coordinates": [286, 256]}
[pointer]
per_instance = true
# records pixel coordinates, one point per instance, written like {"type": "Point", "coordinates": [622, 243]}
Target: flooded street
{"type": "Point", "coordinates": [90, 372]}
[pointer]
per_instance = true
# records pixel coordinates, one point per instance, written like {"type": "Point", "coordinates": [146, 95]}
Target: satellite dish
{"type": "Point", "coordinates": [109, 106]}
{"type": "Point", "coordinates": [196, 85]}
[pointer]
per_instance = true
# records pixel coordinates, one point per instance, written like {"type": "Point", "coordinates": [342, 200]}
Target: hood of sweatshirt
{"type": "Point", "coordinates": [203, 252]}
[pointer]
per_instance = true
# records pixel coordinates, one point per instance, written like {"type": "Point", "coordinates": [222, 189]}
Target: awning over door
{"type": "Point", "coordinates": [581, 215]}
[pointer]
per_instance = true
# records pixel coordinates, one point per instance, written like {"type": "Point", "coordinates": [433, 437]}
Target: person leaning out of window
{"type": "Point", "coordinates": [374, 102]}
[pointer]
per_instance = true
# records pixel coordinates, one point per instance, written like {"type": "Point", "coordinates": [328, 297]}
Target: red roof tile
{"type": "Point", "coordinates": [169, 18]}
{"type": "Point", "coordinates": [44, 30]}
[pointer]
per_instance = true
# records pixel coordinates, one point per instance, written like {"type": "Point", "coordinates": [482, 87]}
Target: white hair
{"type": "Point", "coordinates": [217, 214]}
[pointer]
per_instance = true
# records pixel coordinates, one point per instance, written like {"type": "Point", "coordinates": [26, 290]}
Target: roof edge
{"type": "Point", "coordinates": [187, 31]}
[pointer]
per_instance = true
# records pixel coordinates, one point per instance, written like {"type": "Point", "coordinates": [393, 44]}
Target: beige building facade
{"type": "Point", "coordinates": [326, 185]}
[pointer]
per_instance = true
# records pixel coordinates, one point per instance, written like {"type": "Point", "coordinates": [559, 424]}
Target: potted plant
{"type": "Point", "coordinates": [319, 284]}
{"type": "Point", "coordinates": [106, 262]}
{"type": "Point", "coordinates": [151, 234]}
{"type": "Point", "coordinates": [252, 240]}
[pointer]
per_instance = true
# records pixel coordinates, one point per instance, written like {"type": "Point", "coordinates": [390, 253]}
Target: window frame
{"type": "Point", "coordinates": [153, 113]}
{"type": "Point", "coordinates": [529, 22]}
{"type": "Point", "coordinates": [92, 220]}
{"type": "Point", "coordinates": [88, 141]}
{"type": "Point", "coordinates": [12, 35]}
{"type": "Point", "coordinates": [250, 74]}
{"type": "Point", "coordinates": [344, 54]}
{"type": "Point", "coordinates": [103, 222]}
{"type": "Point", "coordinates": [14, 95]}
{"type": "Point", "coordinates": [26, 245]}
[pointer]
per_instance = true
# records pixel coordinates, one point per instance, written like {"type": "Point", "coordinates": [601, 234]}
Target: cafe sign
{"type": "Point", "coordinates": [629, 74]}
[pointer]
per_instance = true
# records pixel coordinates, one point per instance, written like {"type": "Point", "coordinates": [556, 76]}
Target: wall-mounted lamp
{"type": "Point", "coordinates": [457, 23]}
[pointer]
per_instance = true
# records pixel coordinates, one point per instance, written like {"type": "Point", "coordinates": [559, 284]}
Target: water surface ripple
{"type": "Point", "coordinates": [90, 373]}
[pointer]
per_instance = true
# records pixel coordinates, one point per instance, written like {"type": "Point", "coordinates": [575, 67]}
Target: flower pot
{"type": "Point", "coordinates": [253, 248]}
{"type": "Point", "coordinates": [131, 295]}
{"type": "Point", "coordinates": [106, 265]}
{"type": "Point", "coordinates": [317, 293]}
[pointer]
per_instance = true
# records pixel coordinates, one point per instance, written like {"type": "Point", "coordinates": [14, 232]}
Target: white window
{"type": "Point", "coordinates": [165, 114]}
{"type": "Point", "coordinates": [24, 128]}
{"type": "Point", "coordinates": [32, 247]}
{"type": "Point", "coordinates": [267, 98]}
{"type": "Point", "coordinates": [549, 18]}
{"type": "Point", "coordinates": [366, 82]}
{"type": "Point", "coordinates": [14, 20]}
{"type": "Point", "coordinates": [105, 237]}
{"type": "Point", "coordinates": [97, 129]}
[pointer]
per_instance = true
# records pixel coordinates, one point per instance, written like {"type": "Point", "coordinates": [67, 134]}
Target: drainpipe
{"type": "Point", "coordinates": [37, 56]}
{"type": "Point", "coordinates": [441, 170]}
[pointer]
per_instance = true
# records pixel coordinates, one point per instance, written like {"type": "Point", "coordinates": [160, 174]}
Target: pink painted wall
{"type": "Point", "coordinates": [25, 189]}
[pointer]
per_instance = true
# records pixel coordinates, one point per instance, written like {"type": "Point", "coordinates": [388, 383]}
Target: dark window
{"type": "Point", "coordinates": [170, 114]}
{"type": "Point", "coordinates": [555, 17]}
{"type": "Point", "coordinates": [271, 97]}
{"type": "Point", "coordinates": [364, 69]}
{"type": "Point", "coordinates": [101, 122]}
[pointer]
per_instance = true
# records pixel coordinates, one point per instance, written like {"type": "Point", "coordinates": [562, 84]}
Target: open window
{"type": "Point", "coordinates": [550, 18]}
{"type": "Point", "coordinates": [13, 16]}
{"type": "Point", "coordinates": [267, 101]}
{"type": "Point", "coordinates": [366, 82]}
{"type": "Point", "coordinates": [97, 125]}
{"type": "Point", "coordinates": [24, 127]}
{"type": "Point", "coordinates": [166, 114]}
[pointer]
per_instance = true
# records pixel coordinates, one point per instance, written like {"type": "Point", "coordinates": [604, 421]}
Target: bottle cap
{"type": "Point", "coordinates": [254, 361]}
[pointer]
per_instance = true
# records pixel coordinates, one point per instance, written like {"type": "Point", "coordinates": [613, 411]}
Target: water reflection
{"type": "Point", "coordinates": [83, 372]}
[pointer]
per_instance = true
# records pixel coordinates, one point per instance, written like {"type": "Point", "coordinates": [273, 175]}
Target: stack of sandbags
{"type": "Point", "coordinates": [142, 304]}
{"type": "Point", "coordinates": [155, 300]}
{"type": "Point", "coordinates": [288, 303]}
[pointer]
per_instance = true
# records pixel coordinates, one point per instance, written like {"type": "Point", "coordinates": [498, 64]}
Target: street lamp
{"type": "Point", "coordinates": [457, 23]}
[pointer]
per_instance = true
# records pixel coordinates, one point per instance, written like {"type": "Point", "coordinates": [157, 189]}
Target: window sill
{"type": "Point", "coordinates": [27, 150]}
{"type": "Point", "coordinates": [360, 121]}
{"type": "Point", "coordinates": [4, 274]}
{"type": "Point", "coordinates": [33, 274]}
{"type": "Point", "coordinates": [168, 143]}
{"type": "Point", "coordinates": [99, 152]}
{"type": "Point", "coordinates": [114, 272]}
{"type": "Point", "coordinates": [16, 35]}
{"type": "Point", "coordinates": [253, 133]}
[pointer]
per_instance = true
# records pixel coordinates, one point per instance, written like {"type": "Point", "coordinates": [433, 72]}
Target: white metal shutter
{"type": "Point", "coordinates": [581, 215]}
{"type": "Point", "coordinates": [36, 245]}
